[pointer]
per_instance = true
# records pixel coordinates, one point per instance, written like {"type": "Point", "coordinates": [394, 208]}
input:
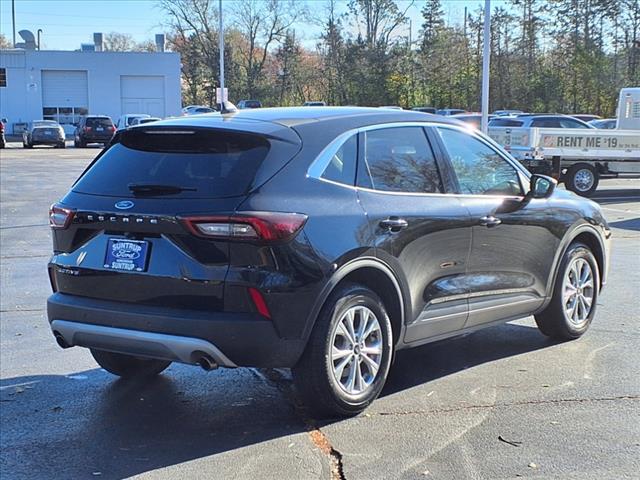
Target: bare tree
{"type": "Point", "coordinates": [263, 24]}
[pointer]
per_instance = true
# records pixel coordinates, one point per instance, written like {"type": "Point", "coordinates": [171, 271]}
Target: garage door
{"type": "Point", "coordinates": [142, 94]}
{"type": "Point", "coordinates": [64, 95]}
{"type": "Point", "coordinates": [64, 88]}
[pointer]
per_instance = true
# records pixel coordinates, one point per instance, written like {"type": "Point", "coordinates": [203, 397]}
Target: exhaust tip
{"type": "Point", "coordinates": [206, 363]}
{"type": "Point", "coordinates": [60, 340]}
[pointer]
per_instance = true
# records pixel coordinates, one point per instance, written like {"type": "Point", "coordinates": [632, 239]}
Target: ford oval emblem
{"type": "Point", "coordinates": [124, 204]}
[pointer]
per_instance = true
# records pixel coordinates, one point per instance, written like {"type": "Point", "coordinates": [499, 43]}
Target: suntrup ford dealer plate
{"type": "Point", "coordinates": [128, 255]}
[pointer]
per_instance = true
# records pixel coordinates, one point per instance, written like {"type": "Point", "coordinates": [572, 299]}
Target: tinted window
{"type": "Point", "coordinates": [505, 122]}
{"type": "Point", "coordinates": [208, 164]}
{"type": "Point", "coordinates": [546, 123]}
{"type": "Point", "coordinates": [571, 123]}
{"type": "Point", "coordinates": [99, 122]}
{"type": "Point", "coordinates": [479, 168]}
{"type": "Point", "coordinates": [342, 168]}
{"type": "Point", "coordinates": [400, 160]}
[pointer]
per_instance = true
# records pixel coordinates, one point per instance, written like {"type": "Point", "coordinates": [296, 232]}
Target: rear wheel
{"type": "Point", "coordinates": [128, 366]}
{"type": "Point", "coordinates": [347, 359]}
{"type": "Point", "coordinates": [575, 295]}
{"type": "Point", "coordinates": [582, 179]}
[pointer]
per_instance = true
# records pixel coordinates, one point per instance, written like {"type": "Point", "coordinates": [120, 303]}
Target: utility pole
{"type": "Point", "coordinates": [486, 52]}
{"type": "Point", "coordinates": [13, 21]}
{"type": "Point", "coordinates": [221, 42]}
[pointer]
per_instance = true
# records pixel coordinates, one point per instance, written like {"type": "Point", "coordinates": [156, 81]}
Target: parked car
{"type": "Point", "coordinates": [197, 109]}
{"type": "Point", "coordinates": [450, 111]}
{"type": "Point", "coordinates": [473, 119]}
{"type": "Point", "coordinates": [127, 120]}
{"type": "Point", "coordinates": [3, 140]}
{"type": "Point", "coordinates": [249, 104]}
{"type": "Point", "coordinates": [424, 109]}
{"type": "Point", "coordinates": [314, 104]}
{"type": "Point", "coordinates": [586, 117]}
{"type": "Point", "coordinates": [540, 121]}
{"type": "Point", "coordinates": [43, 132]}
{"type": "Point", "coordinates": [93, 129]}
{"type": "Point", "coordinates": [503, 113]}
{"type": "Point", "coordinates": [202, 241]}
{"type": "Point", "coordinates": [142, 121]}
{"type": "Point", "coordinates": [604, 123]}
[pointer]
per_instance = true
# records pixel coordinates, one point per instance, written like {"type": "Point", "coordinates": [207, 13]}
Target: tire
{"type": "Point", "coordinates": [315, 376]}
{"type": "Point", "coordinates": [82, 144]}
{"type": "Point", "coordinates": [61, 145]}
{"type": "Point", "coordinates": [582, 179]}
{"type": "Point", "coordinates": [127, 366]}
{"type": "Point", "coordinates": [556, 321]}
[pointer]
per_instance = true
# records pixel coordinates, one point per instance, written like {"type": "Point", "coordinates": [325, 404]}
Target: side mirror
{"type": "Point", "coordinates": [541, 186]}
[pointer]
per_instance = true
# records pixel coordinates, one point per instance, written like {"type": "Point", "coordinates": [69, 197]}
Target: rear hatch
{"type": "Point", "coordinates": [99, 128]}
{"type": "Point", "coordinates": [46, 134]}
{"type": "Point", "coordinates": [123, 233]}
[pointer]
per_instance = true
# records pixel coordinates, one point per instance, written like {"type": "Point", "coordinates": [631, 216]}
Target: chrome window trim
{"type": "Point", "coordinates": [322, 160]}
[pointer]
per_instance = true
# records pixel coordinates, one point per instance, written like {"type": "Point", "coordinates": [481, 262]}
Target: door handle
{"type": "Point", "coordinates": [490, 221]}
{"type": "Point", "coordinates": [394, 224]}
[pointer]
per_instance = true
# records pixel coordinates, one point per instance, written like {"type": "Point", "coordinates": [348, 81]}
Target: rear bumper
{"type": "Point", "coordinates": [231, 339]}
{"type": "Point", "coordinates": [96, 138]}
{"type": "Point", "coordinates": [47, 141]}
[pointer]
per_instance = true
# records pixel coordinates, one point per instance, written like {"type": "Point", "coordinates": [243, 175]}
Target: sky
{"type": "Point", "coordinates": [66, 24]}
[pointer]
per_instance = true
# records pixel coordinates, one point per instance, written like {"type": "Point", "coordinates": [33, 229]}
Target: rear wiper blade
{"type": "Point", "coordinates": [157, 189]}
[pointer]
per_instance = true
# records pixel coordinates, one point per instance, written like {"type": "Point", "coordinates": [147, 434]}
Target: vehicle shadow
{"type": "Point", "coordinates": [628, 224]}
{"type": "Point", "coordinates": [73, 426]}
{"type": "Point", "coordinates": [610, 196]}
{"type": "Point", "coordinates": [421, 365]}
{"type": "Point", "coordinates": [89, 422]}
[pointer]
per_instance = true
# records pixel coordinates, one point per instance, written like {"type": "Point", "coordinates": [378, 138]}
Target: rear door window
{"type": "Point", "coordinates": [546, 123]}
{"type": "Point", "coordinates": [400, 159]}
{"type": "Point", "coordinates": [202, 163]}
{"type": "Point", "coordinates": [571, 123]}
{"type": "Point", "coordinates": [505, 122]}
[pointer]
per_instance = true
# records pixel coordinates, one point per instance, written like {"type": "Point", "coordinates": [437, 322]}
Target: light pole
{"type": "Point", "coordinates": [221, 42]}
{"type": "Point", "coordinates": [486, 52]}
{"type": "Point", "coordinates": [13, 21]}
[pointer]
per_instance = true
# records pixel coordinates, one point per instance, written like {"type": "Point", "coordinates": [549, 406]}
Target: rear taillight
{"type": "Point", "coordinates": [59, 216]}
{"type": "Point", "coordinates": [260, 226]}
{"type": "Point", "coordinates": [87, 129]}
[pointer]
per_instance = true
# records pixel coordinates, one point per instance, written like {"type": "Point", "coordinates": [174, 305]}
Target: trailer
{"type": "Point", "coordinates": [580, 157]}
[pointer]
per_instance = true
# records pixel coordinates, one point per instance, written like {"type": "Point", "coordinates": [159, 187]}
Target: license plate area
{"type": "Point", "coordinates": [127, 255]}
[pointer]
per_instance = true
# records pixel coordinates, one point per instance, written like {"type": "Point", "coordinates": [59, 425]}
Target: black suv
{"type": "Point", "coordinates": [318, 239]}
{"type": "Point", "coordinates": [93, 129]}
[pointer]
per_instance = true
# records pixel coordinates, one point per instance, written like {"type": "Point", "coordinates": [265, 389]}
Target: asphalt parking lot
{"type": "Point", "coordinates": [501, 403]}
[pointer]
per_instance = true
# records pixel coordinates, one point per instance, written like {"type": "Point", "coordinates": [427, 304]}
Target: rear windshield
{"type": "Point", "coordinates": [203, 163]}
{"type": "Point", "coordinates": [99, 122]}
{"type": "Point", "coordinates": [505, 122]}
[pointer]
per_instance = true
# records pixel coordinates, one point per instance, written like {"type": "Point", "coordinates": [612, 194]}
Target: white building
{"type": "Point", "coordinates": [64, 85]}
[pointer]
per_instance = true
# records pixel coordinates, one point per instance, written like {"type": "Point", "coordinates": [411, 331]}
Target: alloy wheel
{"type": "Point", "coordinates": [356, 350]}
{"type": "Point", "coordinates": [578, 291]}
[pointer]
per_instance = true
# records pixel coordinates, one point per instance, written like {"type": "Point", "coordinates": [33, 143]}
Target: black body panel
{"type": "Point", "coordinates": [444, 273]}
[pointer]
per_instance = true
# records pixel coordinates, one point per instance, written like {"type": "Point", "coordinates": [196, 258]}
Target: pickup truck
{"type": "Point", "coordinates": [579, 157]}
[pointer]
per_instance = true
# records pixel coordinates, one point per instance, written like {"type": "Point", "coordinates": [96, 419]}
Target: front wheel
{"type": "Point", "coordinates": [347, 359]}
{"type": "Point", "coordinates": [575, 295]}
{"type": "Point", "coordinates": [582, 179]}
{"type": "Point", "coordinates": [127, 366]}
